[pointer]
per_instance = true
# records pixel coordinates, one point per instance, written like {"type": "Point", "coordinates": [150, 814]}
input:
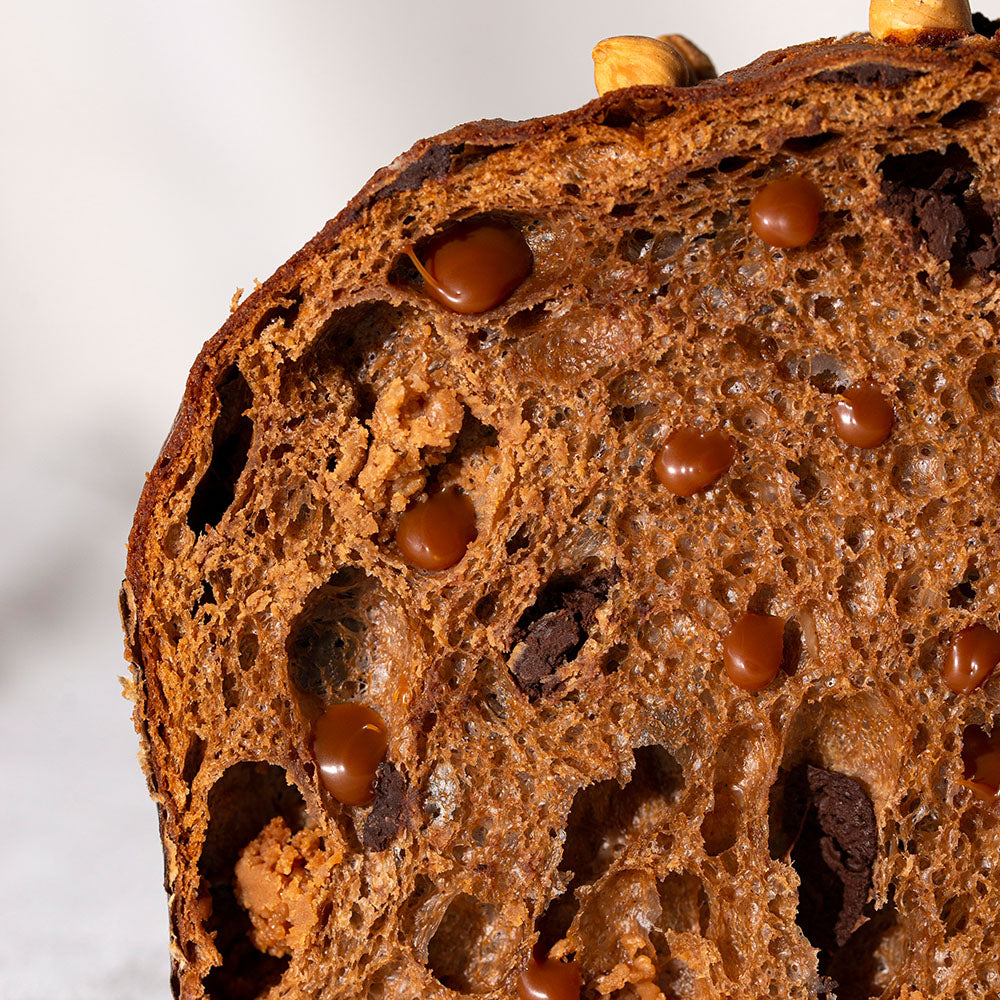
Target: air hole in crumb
{"type": "Point", "coordinates": [792, 647]}
{"type": "Point", "coordinates": [326, 635]}
{"type": "Point", "coordinates": [486, 609]}
{"type": "Point", "coordinates": [173, 540]}
{"type": "Point", "coordinates": [853, 249]}
{"type": "Point", "coordinates": [803, 145]}
{"type": "Point", "coordinates": [872, 957]}
{"type": "Point", "coordinates": [528, 319]}
{"type": "Point", "coordinates": [808, 476]}
{"type": "Point", "coordinates": [684, 903]}
{"type": "Point", "coordinates": [964, 593]}
{"type": "Point", "coordinates": [193, 758]}
{"type": "Point", "coordinates": [207, 596]}
{"type": "Point", "coordinates": [635, 245]}
{"type": "Point", "coordinates": [823, 822]}
{"type": "Point", "coordinates": [473, 948]}
{"type": "Point", "coordinates": [248, 648]}
{"type": "Point", "coordinates": [614, 659]}
{"type": "Point", "coordinates": [473, 439]}
{"type": "Point", "coordinates": [828, 374]}
{"type": "Point", "coordinates": [241, 803]}
{"type": "Point", "coordinates": [722, 824]}
{"type": "Point", "coordinates": [231, 437]}
{"type": "Point", "coordinates": [285, 313]}
{"type": "Point", "coordinates": [519, 540]}
{"type": "Point", "coordinates": [965, 114]}
{"type": "Point", "coordinates": [623, 211]}
{"type": "Point", "coordinates": [730, 164]}
{"type": "Point", "coordinates": [604, 818]}
{"type": "Point", "coordinates": [350, 340]}
{"type": "Point", "coordinates": [984, 383]}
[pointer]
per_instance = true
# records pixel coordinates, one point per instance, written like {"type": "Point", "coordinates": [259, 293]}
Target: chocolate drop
{"type": "Point", "coordinates": [691, 460]}
{"type": "Point", "coordinates": [434, 533]}
{"type": "Point", "coordinates": [549, 980]}
{"type": "Point", "coordinates": [349, 743]}
{"type": "Point", "coordinates": [981, 760]}
{"type": "Point", "coordinates": [753, 649]}
{"type": "Point", "coordinates": [864, 417]}
{"type": "Point", "coordinates": [474, 266]}
{"type": "Point", "coordinates": [974, 652]}
{"type": "Point", "coordinates": [786, 212]}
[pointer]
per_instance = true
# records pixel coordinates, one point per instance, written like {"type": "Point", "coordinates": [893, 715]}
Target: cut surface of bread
{"type": "Point", "coordinates": [570, 765]}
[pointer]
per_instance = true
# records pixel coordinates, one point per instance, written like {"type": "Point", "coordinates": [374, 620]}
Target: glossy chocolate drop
{"type": "Point", "coordinates": [786, 212]}
{"type": "Point", "coordinates": [974, 652]}
{"type": "Point", "coordinates": [753, 649]}
{"type": "Point", "coordinates": [434, 533]}
{"type": "Point", "coordinates": [474, 266]}
{"type": "Point", "coordinates": [691, 460]}
{"type": "Point", "coordinates": [864, 417]}
{"type": "Point", "coordinates": [349, 743]}
{"type": "Point", "coordinates": [549, 980]}
{"type": "Point", "coordinates": [981, 758]}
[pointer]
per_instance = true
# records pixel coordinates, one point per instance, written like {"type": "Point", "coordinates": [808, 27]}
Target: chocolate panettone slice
{"type": "Point", "coordinates": [574, 573]}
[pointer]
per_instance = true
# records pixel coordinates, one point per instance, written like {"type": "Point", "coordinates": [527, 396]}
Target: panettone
{"type": "Point", "coordinates": [585, 547]}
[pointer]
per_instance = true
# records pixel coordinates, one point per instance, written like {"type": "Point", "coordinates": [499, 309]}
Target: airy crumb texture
{"type": "Point", "coordinates": [568, 761]}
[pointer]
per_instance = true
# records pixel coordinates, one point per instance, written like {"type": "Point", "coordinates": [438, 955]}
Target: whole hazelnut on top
{"type": "Point", "coordinates": [911, 21]}
{"type": "Point", "coordinates": [633, 60]}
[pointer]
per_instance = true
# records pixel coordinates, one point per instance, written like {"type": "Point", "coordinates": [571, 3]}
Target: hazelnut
{"type": "Point", "coordinates": [633, 60]}
{"type": "Point", "coordinates": [700, 66]}
{"type": "Point", "coordinates": [910, 21]}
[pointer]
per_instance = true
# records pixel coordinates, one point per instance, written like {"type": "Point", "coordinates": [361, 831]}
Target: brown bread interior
{"type": "Point", "coordinates": [633, 809]}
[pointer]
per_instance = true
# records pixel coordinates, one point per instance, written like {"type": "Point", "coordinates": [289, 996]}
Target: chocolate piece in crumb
{"type": "Point", "coordinates": [933, 193]}
{"type": "Point", "coordinates": [982, 25]}
{"type": "Point", "coordinates": [834, 852]}
{"type": "Point", "coordinates": [432, 166]}
{"type": "Point", "coordinates": [869, 74]}
{"type": "Point", "coordinates": [552, 632]}
{"type": "Point", "coordinates": [386, 818]}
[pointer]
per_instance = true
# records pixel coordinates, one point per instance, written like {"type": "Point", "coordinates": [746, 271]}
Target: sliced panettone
{"type": "Point", "coordinates": [574, 572]}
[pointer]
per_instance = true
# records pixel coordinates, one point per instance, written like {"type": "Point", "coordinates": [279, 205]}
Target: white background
{"type": "Point", "coordinates": [154, 156]}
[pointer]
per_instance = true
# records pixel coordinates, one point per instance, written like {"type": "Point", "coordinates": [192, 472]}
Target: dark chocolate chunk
{"type": "Point", "coordinates": [869, 74]}
{"type": "Point", "coordinates": [933, 193]}
{"type": "Point", "coordinates": [434, 165]}
{"type": "Point", "coordinates": [986, 256]}
{"type": "Point", "coordinates": [825, 986]}
{"type": "Point", "coordinates": [386, 817]}
{"type": "Point", "coordinates": [553, 631]}
{"type": "Point", "coordinates": [983, 25]}
{"type": "Point", "coordinates": [833, 850]}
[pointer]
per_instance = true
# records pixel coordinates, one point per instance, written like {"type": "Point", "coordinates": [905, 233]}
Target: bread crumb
{"type": "Point", "coordinates": [280, 879]}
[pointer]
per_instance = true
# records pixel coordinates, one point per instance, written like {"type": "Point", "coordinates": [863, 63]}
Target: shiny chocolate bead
{"type": "Point", "coordinates": [474, 266]}
{"type": "Point", "coordinates": [786, 212]}
{"type": "Point", "coordinates": [349, 743]}
{"type": "Point", "coordinates": [864, 417]}
{"type": "Point", "coordinates": [549, 980]}
{"type": "Point", "coordinates": [753, 649]}
{"type": "Point", "coordinates": [974, 653]}
{"type": "Point", "coordinates": [690, 460]}
{"type": "Point", "coordinates": [434, 533]}
{"type": "Point", "coordinates": [981, 760]}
